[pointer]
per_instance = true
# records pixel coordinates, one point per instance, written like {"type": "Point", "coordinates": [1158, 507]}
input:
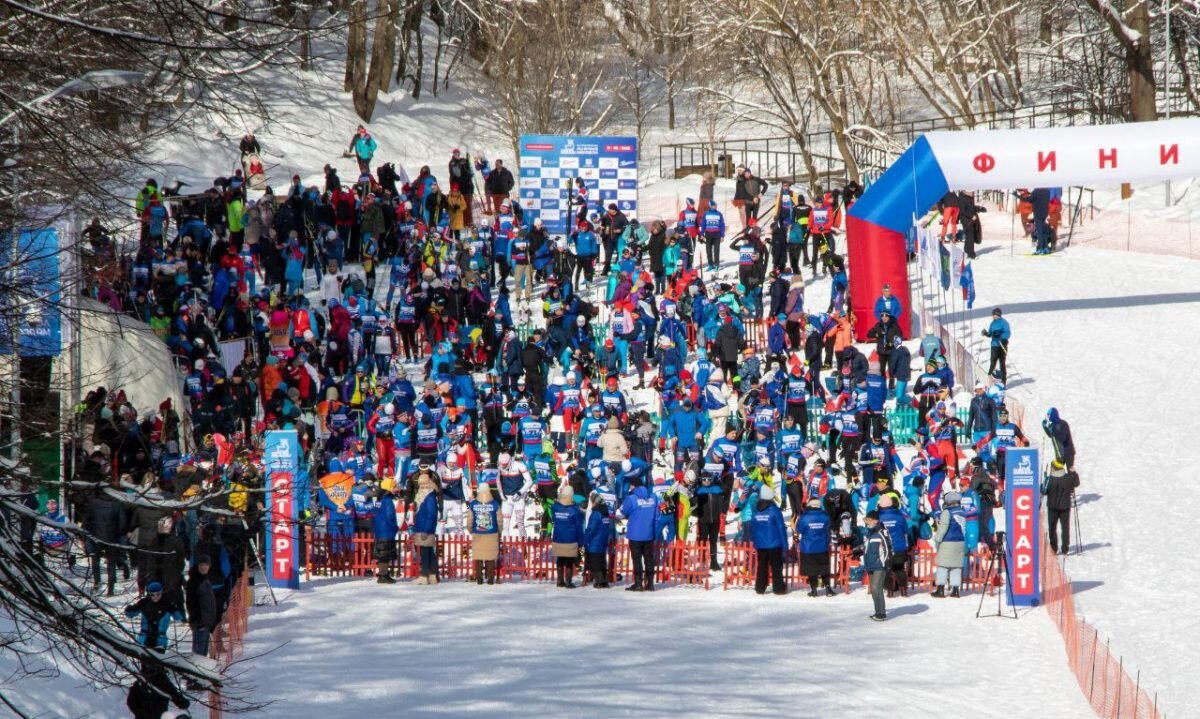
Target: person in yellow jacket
{"type": "Point", "coordinates": [458, 208]}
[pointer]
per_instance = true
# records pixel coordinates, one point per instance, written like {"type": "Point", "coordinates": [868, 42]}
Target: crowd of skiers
{"type": "Point", "coordinates": [713, 404]}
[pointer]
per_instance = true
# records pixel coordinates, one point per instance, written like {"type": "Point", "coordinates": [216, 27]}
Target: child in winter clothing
{"type": "Point", "coordinates": [156, 611]}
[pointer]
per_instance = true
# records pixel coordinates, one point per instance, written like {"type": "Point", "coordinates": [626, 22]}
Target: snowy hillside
{"type": "Point", "coordinates": [1109, 338]}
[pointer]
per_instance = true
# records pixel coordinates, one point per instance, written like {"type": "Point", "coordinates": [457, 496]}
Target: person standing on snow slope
{"type": "Point", "coordinates": [876, 553]}
{"type": "Point", "coordinates": [1057, 429]}
{"type": "Point", "coordinates": [1058, 488]}
{"type": "Point", "coordinates": [363, 146]}
{"type": "Point", "coordinates": [770, 541]}
{"type": "Point", "coordinates": [999, 333]}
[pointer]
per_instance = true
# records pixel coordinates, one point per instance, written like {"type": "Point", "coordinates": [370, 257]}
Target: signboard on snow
{"type": "Point", "coordinates": [1022, 478]}
{"type": "Point", "coordinates": [281, 456]}
{"type": "Point", "coordinates": [33, 270]}
{"type": "Point", "coordinates": [549, 165]}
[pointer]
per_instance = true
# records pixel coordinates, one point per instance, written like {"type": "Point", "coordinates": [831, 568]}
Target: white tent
{"type": "Point", "coordinates": [120, 353]}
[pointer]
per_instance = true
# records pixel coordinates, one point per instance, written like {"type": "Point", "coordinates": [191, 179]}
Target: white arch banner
{"type": "Point", "coordinates": [1054, 157]}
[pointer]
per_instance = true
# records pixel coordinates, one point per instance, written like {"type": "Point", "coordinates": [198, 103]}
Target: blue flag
{"type": "Point", "coordinates": [966, 280]}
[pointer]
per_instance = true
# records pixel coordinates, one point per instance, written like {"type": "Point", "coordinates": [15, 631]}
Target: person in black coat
{"type": "Point", "coordinates": [162, 561]}
{"type": "Point", "coordinates": [498, 184]}
{"type": "Point", "coordinates": [533, 357]}
{"type": "Point", "coordinates": [885, 333]}
{"type": "Point", "coordinates": [657, 245]}
{"type": "Point", "coordinates": [201, 604]}
{"type": "Point", "coordinates": [1059, 489]}
{"type": "Point", "coordinates": [728, 343]}
{"type": "Point", "coordinates": [856, 361]}
{"type": "Point", "coordinates": [106, 521]}
{"type": "Point", "coordinates": [899, 369]}
{"type": "Point", "coordinates": [153, 693]}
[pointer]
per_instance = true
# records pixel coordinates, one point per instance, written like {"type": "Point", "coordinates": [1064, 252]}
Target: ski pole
{"type": "Point", "coordinates": [1075, 522]}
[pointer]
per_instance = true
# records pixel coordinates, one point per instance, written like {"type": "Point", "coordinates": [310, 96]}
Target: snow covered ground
{"type": "Point", "coordinates": [523, 650]}
{"type": "Point", "coordinates": [1110, 339]}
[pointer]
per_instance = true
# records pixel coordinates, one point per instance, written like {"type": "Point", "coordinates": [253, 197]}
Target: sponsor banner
{"type": "Point", "coordinates": [1022, 493]}
{"type": "Point", "coordinates": [608, 166]}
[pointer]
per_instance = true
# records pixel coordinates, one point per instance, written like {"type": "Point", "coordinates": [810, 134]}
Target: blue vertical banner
{"type": "Point", "coordinates": [281, 456]}
{"type": "Point", "coordinates": [549, 165]}
{"type": "Point", "coordinates": [1022, 493]}
{"type": "Point", "coordinates": [32, 268]}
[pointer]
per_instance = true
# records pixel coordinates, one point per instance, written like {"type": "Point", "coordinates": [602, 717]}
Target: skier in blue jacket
{"type": "Point", "coordinates": [641, 511]}
{"type": "Point", "coordinates": [999, 332]}
{"type": "Point", "coordinates": [770, 541]}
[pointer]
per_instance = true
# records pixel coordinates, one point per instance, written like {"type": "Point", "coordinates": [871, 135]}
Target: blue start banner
{"type": "Point", "coordinates": [281, 456]}
{"type": "Point", "coordinates": [32, 267]}
{"type": "Point", "coordinates": [560, 174]}
{"type": "Point", "coordinates": [1022, 492]}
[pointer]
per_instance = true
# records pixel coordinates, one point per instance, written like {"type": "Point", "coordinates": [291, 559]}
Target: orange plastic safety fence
{"type": "Point", "coordinates": [1108, 687]}
{"type": "Point", "coordinates": [225, 644]}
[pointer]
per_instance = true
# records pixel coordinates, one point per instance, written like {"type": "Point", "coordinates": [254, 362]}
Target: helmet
{"type": "Point", "coordinates": [813, 504]}
{"type": "Point", "coordinates": [626, 465]}
{"type": "Point", "coordinates": [718, 375]}
{"type": "Point", "coordinates": [689, 476]}
{"type": "Point", "coordinates": [389, 409]}
{"type": "Point", "coordinates": [764, 461]}
{"type": "Point", "coordinates": [597, 473]}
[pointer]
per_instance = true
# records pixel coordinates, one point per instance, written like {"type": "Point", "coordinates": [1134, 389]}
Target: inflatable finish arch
{"type": "Point", "coordinates": [877, 224]}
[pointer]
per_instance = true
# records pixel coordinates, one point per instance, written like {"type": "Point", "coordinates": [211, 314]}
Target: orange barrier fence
{"type": "Point", "coordinates": [521, 560]}
{"type": "Point", "coordinates": [225, 645]}
{"type": "Point", "coordinates": [1110, 690]}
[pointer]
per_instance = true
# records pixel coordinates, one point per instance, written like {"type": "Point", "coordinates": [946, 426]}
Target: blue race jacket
{"type": "Point", "coordinates": [599, 529]}
{"type": "Point", "coordinates": [897, 526]}
{"type": "Point", "coordinates": [641, 509]}
{"type": "Point", "coordinates": [813, 529]}
{"type": "Point", "coordinates": [425, 521]}
{"type": "Point", "coordinates": [568, 524]}
{"type": "Point", "coordinates": [769, 529]}
{"type": "Point", "coordinates": [384, 519]}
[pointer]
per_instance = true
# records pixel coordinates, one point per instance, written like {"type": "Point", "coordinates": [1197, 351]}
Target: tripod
{"type": "Point", "coordinates": [998, 567]}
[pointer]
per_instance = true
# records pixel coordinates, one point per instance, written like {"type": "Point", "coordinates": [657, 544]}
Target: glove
{"type": "Point", "coordinates": [984, 333]}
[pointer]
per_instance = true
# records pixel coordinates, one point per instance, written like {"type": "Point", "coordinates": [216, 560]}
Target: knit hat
{"type": "Point", "coordinates": [566, 495]}
{"type": "Point", "coordinates": [766, 494]}
{"type": "Point", "coordinates": [153, 587]}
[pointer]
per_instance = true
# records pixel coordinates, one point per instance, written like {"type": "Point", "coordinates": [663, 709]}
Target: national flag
{"type": "Point", "coordinates": [966, 280]}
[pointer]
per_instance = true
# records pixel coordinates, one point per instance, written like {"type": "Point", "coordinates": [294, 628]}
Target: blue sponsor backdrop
{"type": "Point", "coordinates": [35, 274]}
{"type": "Point", "coordinates": [549, 165]}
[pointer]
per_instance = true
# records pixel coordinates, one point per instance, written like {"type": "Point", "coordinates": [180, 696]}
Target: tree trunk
{"type": "Point", "coordinates": [376, 74]}
{"type": "Point", "coordinates": [419, 75]}
{"type": "Point", "coordinates": [412, 24]}
{"type": "Point", "coordinates": [356, 44]}
{"type": "Point", "coordinates": [356, 58]}
{"type": "Point", "coordinates": [306, 38]}
{"type": "Point", "coordinates": [387, 63]}
{"type": "Point", "coordinates": [1139, 61]}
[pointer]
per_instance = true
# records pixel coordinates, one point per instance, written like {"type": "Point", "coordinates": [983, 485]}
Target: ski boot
{"type": "Point", "coordinates": [939, 593]}
{"type": "Point", "coordinates": [954, 593]}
